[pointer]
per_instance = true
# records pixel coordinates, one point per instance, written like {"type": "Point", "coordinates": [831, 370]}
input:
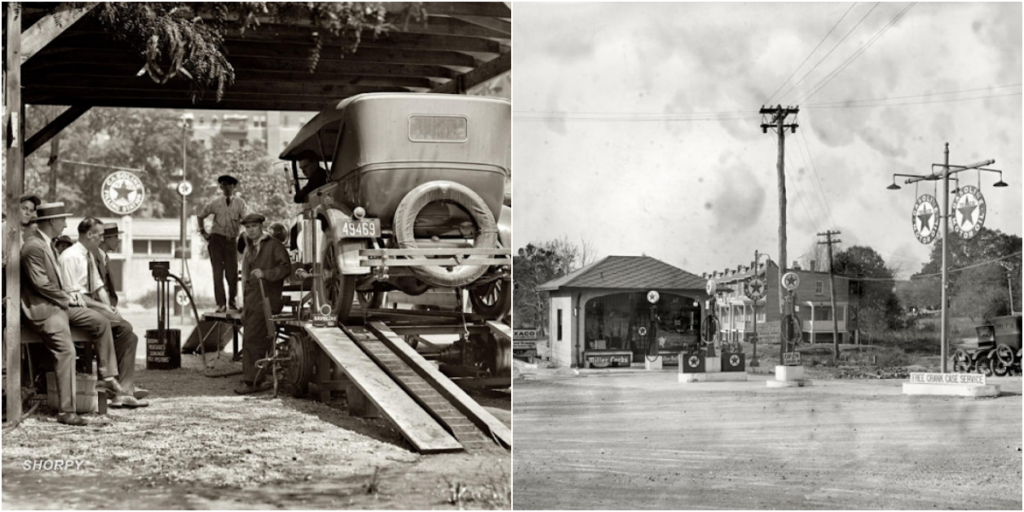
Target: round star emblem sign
{"type": "Point", "coordinates": [734, 360]}
{"type": "Point", "coordinates": [968, 212]}
{"type": "Point", "coordinates": [790, 281]}
{"type": "Point", "coordinates": [693, 361]}
{"type": "Point", "coordinates": [925, 218]}
{"type": "Point", "coordinates": [711, 286]}
{"type": "Point", "coordinates": [653, 296]}
{"type": "Point", "coordinates": [122, 192]}
{"type": "Point", "coordinates": [755, 289]}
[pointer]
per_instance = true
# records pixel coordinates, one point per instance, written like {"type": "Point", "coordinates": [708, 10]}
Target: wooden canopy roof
{"type": "Point", "coordinates": [458, 46]}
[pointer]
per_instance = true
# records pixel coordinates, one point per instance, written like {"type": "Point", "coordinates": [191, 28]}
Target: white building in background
{"type": "Point", "coordinates": [271, 130]}
{"type": "Point", "coordinates": [145, 240]}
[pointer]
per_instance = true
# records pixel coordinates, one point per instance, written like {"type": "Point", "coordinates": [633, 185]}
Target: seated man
{"type": "Point", "coordinates": [265, 259]}
{"type": "Point", "coordinates": [317, 176]}
{"type": "Point", "coordinates": [84, 280]}
{"type": "Point", "coordinates": [50, 311]}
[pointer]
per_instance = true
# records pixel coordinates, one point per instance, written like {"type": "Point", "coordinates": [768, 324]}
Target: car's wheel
{"type": "Point", "coordinates": [961, 361]}
{"type": "Point", "coordinates": [1004, 354]}
{"type": "Point", "coordinates": [299, 369]}
{"type": "Point", "coordinates": [339, 289]}
{"type": "Point", "coordinates": [984, 367]}
{"type": "Point", "coordinates": [492, 300]}
{"type": "Point", "coordinates": [999, 368]}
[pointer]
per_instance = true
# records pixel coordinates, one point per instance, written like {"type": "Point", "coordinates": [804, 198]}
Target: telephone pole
{"type": "Point", "coordinates": [832, 291]}
{"type": "Point", "coordinates": [778, 125]}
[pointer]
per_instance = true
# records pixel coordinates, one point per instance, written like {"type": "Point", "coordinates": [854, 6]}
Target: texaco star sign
{"type": "Point", "coordinates": [968, 212]}
{"type": "Point", "coordinates": [925, 218]}
{"type": "Point", "coordinates": [122, 192]}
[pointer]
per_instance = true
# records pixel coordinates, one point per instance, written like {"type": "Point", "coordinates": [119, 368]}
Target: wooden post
{"type": "Point", "coordinates": [14, 127]}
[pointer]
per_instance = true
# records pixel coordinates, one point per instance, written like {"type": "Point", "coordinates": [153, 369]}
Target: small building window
{"type": "Point", "coordinates": [559, 338]}
{"type": "Point", "coordinates": [140, 246]}
{"type": "Point", "coordinates": [162, 247]}
{"type": "Point", "coordinates": [819, 287]}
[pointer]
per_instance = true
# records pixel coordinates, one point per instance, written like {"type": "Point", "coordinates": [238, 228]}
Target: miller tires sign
{"type": "Point", "coordinates": [122, 193]}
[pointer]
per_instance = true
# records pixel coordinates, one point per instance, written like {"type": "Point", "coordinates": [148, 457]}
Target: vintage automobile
{"type": "Point", "coordinates": [998, 349]}
{"type": "Point", "coordinates": [415, 201]}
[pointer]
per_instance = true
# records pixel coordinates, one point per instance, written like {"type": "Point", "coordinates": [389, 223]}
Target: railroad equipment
{"type": "Point", "coordinates": [998, 350]}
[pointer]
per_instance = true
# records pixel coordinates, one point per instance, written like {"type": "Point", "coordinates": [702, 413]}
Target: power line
{"type": "Point", "coordinates": [633, 116]}
{"type": "Point", "coordinates": [830, 51]}
{"type": "Point", "coordinates": [800, 196]}
{"type": "Point", "coordinates": [1008, 256]}
{"type": "Point", "coordinates": [914, 96]}
{"type": "Point", "coordinates": [817, 178]}
{"type": "Point", "coordinates": [949, 100]}
{"type": "Point", "coordinates": [812, 53]}
{"type": "Point", "coordinates": [854, 56]}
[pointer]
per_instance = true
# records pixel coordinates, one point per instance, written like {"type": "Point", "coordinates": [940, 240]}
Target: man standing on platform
{"type": "Point", "coordinates": [265, 260]}
{"type": "Point", "coordinates": [50, 311]}
{"type": "Point", "coordinates": [84, 281]}
{"type": "Point", "coordinates": [227, 214]}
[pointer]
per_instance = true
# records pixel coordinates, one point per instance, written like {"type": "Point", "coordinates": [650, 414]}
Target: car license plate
{"type": "Point", "coordinates": [364, 228]}
{"type": "Point", "coordinates": [323, 320]}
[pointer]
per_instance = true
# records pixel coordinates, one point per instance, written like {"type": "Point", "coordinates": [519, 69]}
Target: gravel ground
{"type": "Point", "coordinates": [201, 446]}
{"type": "Point", "coordinates": [642, 440]}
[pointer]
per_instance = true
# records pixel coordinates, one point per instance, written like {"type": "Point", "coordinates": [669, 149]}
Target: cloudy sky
{"type": "Point", "coordinates": [636, 125]}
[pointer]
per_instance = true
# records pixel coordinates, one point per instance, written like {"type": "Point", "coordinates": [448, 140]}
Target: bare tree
{"type": "Point", "coordinates": [588, 253]}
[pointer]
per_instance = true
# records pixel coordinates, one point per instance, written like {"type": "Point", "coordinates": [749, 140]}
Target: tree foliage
{"type": "Point", "coordinates": [980, 285]}
{"type": "Point", "coordinates": [875, 291]}
{"type": "Point", "coordinates": [187, 38]}
{"type": "Point", "coordinates": [535, 265]}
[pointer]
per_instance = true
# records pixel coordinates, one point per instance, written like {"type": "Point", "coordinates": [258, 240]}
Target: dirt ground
{"type": "Point", "coordinates": [641, 440]}
{"type": "Point", "coordinates": [201, 446]}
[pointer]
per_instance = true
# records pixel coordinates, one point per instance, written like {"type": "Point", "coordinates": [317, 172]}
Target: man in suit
{"type": "Point", "coordinates": [50, 311]}
{"type": "Point", "coordinates": [112, 243]}
{"type": "Point", "coordinates": [83, 280]}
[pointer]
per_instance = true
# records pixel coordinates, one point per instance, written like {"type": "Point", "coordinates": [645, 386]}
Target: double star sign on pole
{"type": "Point", "coordinates": [970, 213]}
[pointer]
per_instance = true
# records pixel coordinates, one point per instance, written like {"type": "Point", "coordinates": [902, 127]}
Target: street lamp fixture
{"type": "Point", "coordinates": [946, 173]}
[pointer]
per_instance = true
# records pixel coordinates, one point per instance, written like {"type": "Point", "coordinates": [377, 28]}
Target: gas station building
{"type": "Point", "coordinates": [600, 315]}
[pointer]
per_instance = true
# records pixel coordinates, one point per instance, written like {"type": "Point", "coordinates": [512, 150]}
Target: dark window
{"type": "Point", "coordinates": [162, 247]}
{"type": "Point", "coordinates": [140, 246]}
{"type": "Point", "coordinates": [559, 325]}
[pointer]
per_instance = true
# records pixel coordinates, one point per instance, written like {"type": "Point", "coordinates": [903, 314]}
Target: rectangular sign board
{"type": "Point", "coordinates": [524, 345]}
{"type": "Point", "coordinates": [604, 360]}
{"type": "Point", "coordinates": [948, 378]}
{"type": "Point", "coordinates": [791, 359]}
{"type": "Point", "coordinates": [524, 334]}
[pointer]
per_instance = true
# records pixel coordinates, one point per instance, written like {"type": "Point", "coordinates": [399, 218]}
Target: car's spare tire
{"type": "Point", "coordinates": [450, 192]}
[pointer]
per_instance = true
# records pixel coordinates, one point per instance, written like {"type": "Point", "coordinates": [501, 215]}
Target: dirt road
{"type": "Point", "coordinates": [641, 440]}
{"type": "Point", "coordinates": [201, 446]}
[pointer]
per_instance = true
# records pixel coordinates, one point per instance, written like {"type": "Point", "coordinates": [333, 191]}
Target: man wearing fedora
{"type": "Point", "coordinates": [265, 260]}
{"type": "Point", "coordinates": [111, 243]}
{"type": "Point", "coordinates": [50, 311]}
{"type": "Point", "coordinates": [227, 214]}
{"type": "Point", "coordinates": [84, 281]}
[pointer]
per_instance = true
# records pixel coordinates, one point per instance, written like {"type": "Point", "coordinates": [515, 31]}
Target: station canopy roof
{"type": "Point", "coordinates": [458, 46]}
{"type": "Point", "coordinates": [628, 273]}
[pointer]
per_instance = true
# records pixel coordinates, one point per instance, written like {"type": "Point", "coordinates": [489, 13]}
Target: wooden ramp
{"type": "Point", "coordinates": [415, 424]}
{"type": "Point", "coordinates": [485, 422]}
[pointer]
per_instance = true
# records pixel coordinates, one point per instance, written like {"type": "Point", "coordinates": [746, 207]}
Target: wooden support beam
{"type": "Point", "coordinates": [502, 27]}
{"type": "Point", "coordinates": [50, 26]}
{"type": "Point", "coordinates": [13, 122]}
{"type": "Point", "coordinates": [47, 132]}
{"type": "Point", "coordinates": [270, 103]}
{"type": "Point", "coordinates": [477, 76]}
{"type": "Point", "coordinates": [245, 81]}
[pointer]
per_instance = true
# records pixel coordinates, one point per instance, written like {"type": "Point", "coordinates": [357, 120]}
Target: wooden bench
{"type": "Point", "coordinates": [85, 349]}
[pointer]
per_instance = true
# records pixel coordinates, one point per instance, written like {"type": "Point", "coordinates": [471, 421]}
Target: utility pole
{"type": "Point", "coordinates": [832, 291]}
{"type": "Point", "coordinates": [777, 123]}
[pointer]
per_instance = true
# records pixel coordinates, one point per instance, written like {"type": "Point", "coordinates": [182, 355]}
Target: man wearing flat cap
{"type": "Point", "coordinates": [227, 214]}
{"type": "Point", "coordinates": [50, 311]}
{"type": "Point", "coordinates": [265, 260]}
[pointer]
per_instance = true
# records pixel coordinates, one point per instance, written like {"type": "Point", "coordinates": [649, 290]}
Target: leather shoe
{"type": "Point", "coordinates": [127, 402]}
{"type": "Point", "coordinates": [141, 393]}
{"type": "Point", "coordinates": [221, 309]}
{"type": "Point", "coordinates": [70, 418]}
{"type": "Point", "coordinates": [112, 387]}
